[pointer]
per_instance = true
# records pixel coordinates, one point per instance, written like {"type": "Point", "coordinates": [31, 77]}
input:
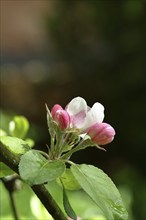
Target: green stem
{"type": "Point", "coordinates": [69, 153]}
{"type": "Point", "coordinates": [12, 160]}
{"type": "Point", "coordinates": [81, 146]}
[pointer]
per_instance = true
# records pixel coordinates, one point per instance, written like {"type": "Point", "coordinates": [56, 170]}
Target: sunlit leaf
{"type": "Point", "coordinates": [5, 170]}
{"type": "Point", "coordinates": [101, 189]}
{"type": "Point", "coordinates": [2, 133]}
{"type": "Point", "coordinates": [15, 145]}
{"type": "Point", "coordinates": [36, 169]}
{"type": "Point", "coordinates": [38, 209]}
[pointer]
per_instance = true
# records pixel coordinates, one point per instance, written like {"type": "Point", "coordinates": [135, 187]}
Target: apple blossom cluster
{"type": "Point", "coordinates": [78, 120]}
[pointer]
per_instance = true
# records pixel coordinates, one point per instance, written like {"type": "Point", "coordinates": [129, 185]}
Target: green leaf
{"type": "Point", "coordinates": [36, 169]}
{"type": "Point", "coordinates": [15, 145]}
{"type": "Point", "coordinates": [69, 180]}
{"type": "Point", "coordinates": [2, 133]}
{"type": "Point", "coordinates": [19, 126]}
{"type": "Point", "coordinates": [70, 212]}
{"type": "Point", "coordinates": [5, 170]}
{"type": "Point", "coordinates": [101, 189]}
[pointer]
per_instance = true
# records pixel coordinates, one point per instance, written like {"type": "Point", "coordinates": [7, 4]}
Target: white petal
{"type": "Point", "coordinates": [76, 105]}
{"type": "Point", "coordinates": [94, 115]}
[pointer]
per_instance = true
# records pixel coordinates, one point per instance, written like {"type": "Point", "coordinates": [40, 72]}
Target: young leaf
{"type": "Point", "coordinates": [36, 169]}
{"type": "Point", "coordinates": [101, 189]}
{"type": "Point", "coordinates": [70, 212]}
{"type": "Point", "coordinates": [15, 145]}
{"type": "Point", "coordinates": [30, 142]}
{"type": "Point", "coordinates": [5, 170]}
{"type": "Point", "coordinates": [19, 126]}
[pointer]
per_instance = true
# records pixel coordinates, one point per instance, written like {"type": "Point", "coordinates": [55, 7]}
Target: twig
{"type": "Point", "coordinates": [9, 184]}
{"type": "Point", "coordinates": [13, 206]}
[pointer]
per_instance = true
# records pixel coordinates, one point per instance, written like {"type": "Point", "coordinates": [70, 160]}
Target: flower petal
{"type": "Point", "coordinates": [77, 120]}
{"type": "Point", "coordinates": [101, 133]}
{"type": "Point", "coordinates": [55, 109]}
{"type": "Point", "coordinates": [76, 105]}
{"type": "Point", "coordinates": [62, 118]}
{"type": "Point", "coordinates": [77, 109]}
{"type": "Point", "coordinates": [94, 115]}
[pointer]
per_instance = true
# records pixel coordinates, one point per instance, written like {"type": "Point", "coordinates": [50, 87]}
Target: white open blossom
{"type": "Point", "coordinates": [82, 116]}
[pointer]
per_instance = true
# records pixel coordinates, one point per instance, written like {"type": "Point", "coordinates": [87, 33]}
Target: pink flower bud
{"type": "Point", "coordinates": [55, 109]}
{"type": "Point", "coordinates": [101, 133]}
{"type": "Point", "coordinates": [62, 118]}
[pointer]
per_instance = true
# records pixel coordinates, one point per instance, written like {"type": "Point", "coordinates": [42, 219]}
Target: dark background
{"type": "Point", "coordinates": [53, 51]}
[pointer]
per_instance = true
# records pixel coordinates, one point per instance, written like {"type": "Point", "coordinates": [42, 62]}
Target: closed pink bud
{"type": "Point", "coordinates": [55, 109]}
{"type": "Point", "coordinates": [101, 133]}
{"type": "Point", "coordinates": [62, 118]}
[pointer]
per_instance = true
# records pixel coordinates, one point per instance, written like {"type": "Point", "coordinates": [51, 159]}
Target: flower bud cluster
{"type": "Point", "coordinates": [76, 123]}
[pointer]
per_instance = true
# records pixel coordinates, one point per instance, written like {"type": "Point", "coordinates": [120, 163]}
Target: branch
{"type": "Point", "coordinates": [12, 160]}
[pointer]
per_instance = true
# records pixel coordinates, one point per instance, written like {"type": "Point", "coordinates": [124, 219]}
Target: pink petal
{"type": "Point", "coordinates": [55, 109]}
{"type": "Point", "coordinates": [101, 133]}
{"type": "Point", "coordinates": [62, 118]}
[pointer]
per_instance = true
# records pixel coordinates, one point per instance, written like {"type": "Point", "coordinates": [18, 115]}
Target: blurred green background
{"type": "Point", "coordinates": [53, 51]}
